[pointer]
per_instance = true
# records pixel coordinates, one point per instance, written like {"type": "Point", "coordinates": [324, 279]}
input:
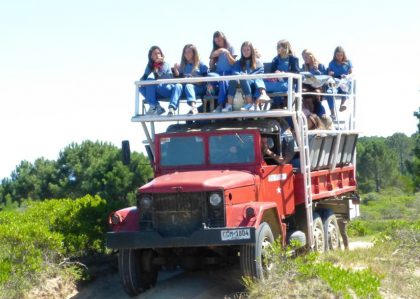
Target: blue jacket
{"type": "Point", "coordinates": [318, 71]}
{"type": "Point", "coordinates": [259, 68]}
{"type": "Point", "coordinates": [289, 64]}
{"type": "Point", "coordinates": [187, 71]}
{"type": "Point", "coordinates": [164, 72]}
{"type": "Point", "coordinates": [340, 69]}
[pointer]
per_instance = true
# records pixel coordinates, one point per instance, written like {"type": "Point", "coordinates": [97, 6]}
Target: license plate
{"type": "Point", "coordinates": [236, 234]}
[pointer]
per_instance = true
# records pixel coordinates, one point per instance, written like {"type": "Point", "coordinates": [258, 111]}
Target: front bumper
{"type": "Point", "coordinates": [200, 238]}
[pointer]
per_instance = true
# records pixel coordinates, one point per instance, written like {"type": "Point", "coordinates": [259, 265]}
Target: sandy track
{"type": "Point", "coordinates": [219, 283]}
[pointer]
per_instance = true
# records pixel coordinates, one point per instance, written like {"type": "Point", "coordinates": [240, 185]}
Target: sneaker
{"type": "Point", "coordinates": [218, 109]}
{"type": "Point", "coordinates": [253, 108]}
{"type": "Point", "coordinates": [151, 111]}
{"type": "Point", "coordinates": [159, 110]}
{"type": "Point", "coordinates": [228, 108]}
{"type": "Point", "coordinates": [193, 111]}
{"type": "Point", "coordinates": [343, 107]}
{"type": "Point", "coordinates": [171, 111]}
{"type": "Point", "coordinates": [246, 107]}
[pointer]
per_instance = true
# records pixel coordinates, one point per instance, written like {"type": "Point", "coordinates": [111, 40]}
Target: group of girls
{"type": "Point", "coordinates": [224, 62]}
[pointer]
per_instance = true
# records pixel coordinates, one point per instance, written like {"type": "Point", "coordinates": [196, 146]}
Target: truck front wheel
{"type": "Point", "coordinates": [254, 258]}
{"type": "Point", "coordinates": [136, 270]}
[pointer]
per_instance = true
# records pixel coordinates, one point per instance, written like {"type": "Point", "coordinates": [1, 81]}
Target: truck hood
{"type": "Point", "coordinates": [192, 181]}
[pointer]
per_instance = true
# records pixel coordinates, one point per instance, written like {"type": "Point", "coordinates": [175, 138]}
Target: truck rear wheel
{"type": "Point", "coordinates": [253, 259]}
{"type": "Point", "coordinates": [331, 231]}
{"type": "Point", "coordinates": [318, 232]}
{"type": "Point", "coordinates": [136, 270]}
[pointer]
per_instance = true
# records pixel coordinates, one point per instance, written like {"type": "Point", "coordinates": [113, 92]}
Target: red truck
{"type": "Point", "coordinates": [217, 198]}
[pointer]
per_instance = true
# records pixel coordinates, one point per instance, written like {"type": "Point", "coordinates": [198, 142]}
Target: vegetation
{"type": "Point", "coordinates": [37, 237]}
{"type": "Point", "coordinates": [389, 269]}
{"type": "Point", "coordinates": [389, 162]}
{"type": "Point", "coordinates": [88, 168]}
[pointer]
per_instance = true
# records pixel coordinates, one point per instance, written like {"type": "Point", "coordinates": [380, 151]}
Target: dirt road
{"type": "Point", "coordinates": [210, 283]}
{"type": "Point", "coordinates": [220, 283]}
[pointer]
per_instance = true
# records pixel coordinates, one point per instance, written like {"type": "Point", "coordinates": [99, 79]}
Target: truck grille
{"type": "Point", "coordinates": [180, 214]}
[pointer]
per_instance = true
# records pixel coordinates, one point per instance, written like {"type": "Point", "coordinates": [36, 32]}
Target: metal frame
{"type": "Point", "coordinates": [293, 109]}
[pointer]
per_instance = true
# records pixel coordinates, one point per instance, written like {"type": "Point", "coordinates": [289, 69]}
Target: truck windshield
{"type": "Point", "coordinates": [182, 150]}
{"type": "Point", "coordinates": [232, 148]}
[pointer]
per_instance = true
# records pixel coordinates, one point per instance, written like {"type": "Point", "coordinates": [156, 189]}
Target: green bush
{"type": "Point", "coordinates": [41, 234]}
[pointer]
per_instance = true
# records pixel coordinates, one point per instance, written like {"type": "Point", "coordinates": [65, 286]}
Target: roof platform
{"type": "Point", "coordinates": [277, 113]}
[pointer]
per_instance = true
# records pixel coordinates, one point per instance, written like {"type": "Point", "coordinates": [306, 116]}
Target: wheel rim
{"type": "Point", "coordinates": [318, 239]}
{"type": "Point", "coordinates": [266, 264]}
{"type": "Point", "coordinates": [333, 238]}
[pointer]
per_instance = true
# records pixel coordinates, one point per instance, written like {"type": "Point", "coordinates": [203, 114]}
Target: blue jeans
{"type": "Point", "coordinates": [277, 86]}
{"type": "Point", "coordinates": [331, 101]}
{"type": "Point", "coordinates": [191, 91]}
{"type": "Point", "coordinates": [223, 87]}
{"type": "Point", "coordinates": [250, 87]}
{"type": "Point", "coordinates": [153, 92]}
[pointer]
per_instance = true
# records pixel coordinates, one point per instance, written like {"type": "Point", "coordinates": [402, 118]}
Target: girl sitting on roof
{"type": "Point", "coordinates": [191, 66]}
{"type": "Point", "coordinates": [157, 68]}
{"type": "Point", "coordinates": [222, 59]}
{"type": "Point", "coordinates": [284, 62]}
{"type": "Point", "coordinates": [340, 67]}
{"type": "Point", "coordinates": [248, 64]}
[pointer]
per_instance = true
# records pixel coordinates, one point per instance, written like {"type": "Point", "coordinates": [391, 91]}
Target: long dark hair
{"type": "Point", "coordinates": [340, 49]}
{"type": "Point", "coordinates": [151, 62]}
{"type": "Point", "coordinates": [252, 58]}
{"type": "Point", "coordinates": [223, 36]}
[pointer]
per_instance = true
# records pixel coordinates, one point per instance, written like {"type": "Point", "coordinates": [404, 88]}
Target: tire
{"type": "Point", "coordinates": [252, 257]}
{"type": "Point", "coordinates": [136, 270]}
{"type": "Point", "coordinates": [331, 231]}
{"type": "Point", "coordinates": [318, 234]}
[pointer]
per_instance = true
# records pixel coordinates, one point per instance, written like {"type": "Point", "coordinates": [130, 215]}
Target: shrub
{"type": "Point", "coordinates": [40, 234]}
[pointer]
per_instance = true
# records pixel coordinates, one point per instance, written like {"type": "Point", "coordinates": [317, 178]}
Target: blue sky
{"type": "Point", "coordinates": [67, 67]}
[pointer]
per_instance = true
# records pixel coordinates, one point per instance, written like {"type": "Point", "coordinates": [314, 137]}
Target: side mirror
{"type": "Point", "coordinates": [126, 153]}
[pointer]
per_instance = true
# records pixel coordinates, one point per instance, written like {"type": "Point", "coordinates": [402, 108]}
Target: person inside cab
{"type": "Point", "coordinates": [267, 144]}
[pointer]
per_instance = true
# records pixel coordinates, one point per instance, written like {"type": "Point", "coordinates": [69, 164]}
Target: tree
{"type": "Point", "coordinates": [414, 165]}
{"type": "Point", "coordinates": [402, 145]}
{"type": "Point", "coordinates": [377, 166]}
{"type": "Point", "coordinates": [89, 168]}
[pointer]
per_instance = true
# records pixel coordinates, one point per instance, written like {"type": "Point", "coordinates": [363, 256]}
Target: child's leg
{"type": "Point", "coordinates": [246, 88]}
{"type": "Point", "coordinates": [175, 95]}
{"type": "Point", "coordinates": [189, 90]}
{"type": "Point", "coordinates": [149, 93]}
{"type": "Point", "coordinates": [260, 86]}
{"type": "Point", "coordinates": [232, 85]}
{"type": "Point", "coordinates": [223, 91]}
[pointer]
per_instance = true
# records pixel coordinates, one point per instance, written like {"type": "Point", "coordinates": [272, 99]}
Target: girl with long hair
{"type": "Point", "coordinates": [249, 63]}
{"type": "Point", "coordinates": [191, 66]}
{"type": "Point", "coordinates": [157, 68]}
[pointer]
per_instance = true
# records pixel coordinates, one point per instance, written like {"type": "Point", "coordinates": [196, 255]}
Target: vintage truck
{"type": "Point", "coordinates": [217, 198]}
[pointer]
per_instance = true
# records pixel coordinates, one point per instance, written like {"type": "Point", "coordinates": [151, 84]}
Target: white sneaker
{"type": "Point", "coordinates": [246, 107]}
{"type": "Point", "coordinates": [253, 108]}
{"type": "Point", "coordinates": [171, 111]}
{"type": "Point", "coordinates": [228, 108]}
{"type": "Point", "coordinates": [193, 111]}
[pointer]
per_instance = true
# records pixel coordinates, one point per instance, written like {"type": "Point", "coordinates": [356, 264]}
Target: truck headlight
{"type": "Point", "coordinates": [145, 202]}
{"type": "Point", "coordinates": [215, 199]}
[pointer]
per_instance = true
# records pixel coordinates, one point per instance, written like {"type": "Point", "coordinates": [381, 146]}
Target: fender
{"type": "Point", "coordinates": [237, 216]}
{"type": "Point", "coordinates": [252, 214]}
{"type": "Point", "coordinates": [125, 220]}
